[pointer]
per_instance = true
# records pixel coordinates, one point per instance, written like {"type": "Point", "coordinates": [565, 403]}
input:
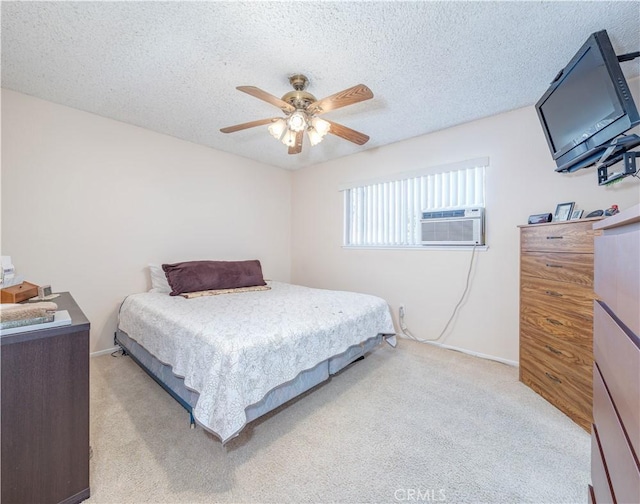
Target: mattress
{"type": "Point", "coordinates": [232, 350]}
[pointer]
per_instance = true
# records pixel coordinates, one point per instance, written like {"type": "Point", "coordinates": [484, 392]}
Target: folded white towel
{"type": "Point", "coordinates": [10, 312]}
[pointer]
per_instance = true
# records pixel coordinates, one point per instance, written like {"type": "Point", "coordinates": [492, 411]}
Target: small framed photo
{"type": "Point", "coordinates": [563, 211]}
{"type": "Point", "coordinates": [44, 292]}
{"type": "Point", "coordinates": [576, 214]}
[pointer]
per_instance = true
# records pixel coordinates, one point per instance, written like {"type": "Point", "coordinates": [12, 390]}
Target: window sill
{"type": "Point", "coordinates": [416, 247]}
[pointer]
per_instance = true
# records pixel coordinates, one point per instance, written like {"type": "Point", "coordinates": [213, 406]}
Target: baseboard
{"type": "Point", "coordinates": [104, 352]}
{"type": "Point", "coordinates": [470, 352]}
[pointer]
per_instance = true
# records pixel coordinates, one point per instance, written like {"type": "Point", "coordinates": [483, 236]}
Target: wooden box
{"type": "Point", "coordinates": [18, 293]}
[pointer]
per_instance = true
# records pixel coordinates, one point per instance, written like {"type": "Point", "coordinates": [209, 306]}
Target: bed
{"type": "Point", "coordinates": [231, 358]}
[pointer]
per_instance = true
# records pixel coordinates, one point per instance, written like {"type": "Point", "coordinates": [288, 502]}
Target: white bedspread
{"type": "Point", "coordinates": [234, 348]}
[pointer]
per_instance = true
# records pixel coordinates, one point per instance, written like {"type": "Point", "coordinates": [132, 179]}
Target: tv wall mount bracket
{"type": "Point", "coordinates": [612, 155]}
{"type": "Point", "coordinates": [629, 56]}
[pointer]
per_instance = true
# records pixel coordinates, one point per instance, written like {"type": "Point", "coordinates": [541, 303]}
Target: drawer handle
{"type": "Point", "coordinates": [553, 350]}
{"type": "Point", "coordinates": [555, 237]}
{"type": "Point", "coordinates": [554, 265]}
{"type": "Point", "coordinates": [553, 293]}
{"type": "Point", "coordinates": [554, 321]}
{"type": "Point", "coordinates": [553, 378]}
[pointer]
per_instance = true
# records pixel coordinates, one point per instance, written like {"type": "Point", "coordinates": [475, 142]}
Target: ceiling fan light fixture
{"type": "Point", "coordinates": [289, 138]}
{"type": "Point", "coordinates": [297, 121]}
{"type": "Point", "coordinates": [276, 128]}
{"type": "Point", "coordinates": [314, 137]}
{"type": "Point", "coordinates": [321, 126]}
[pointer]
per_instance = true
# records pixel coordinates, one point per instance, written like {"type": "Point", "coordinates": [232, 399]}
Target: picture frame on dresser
{"type": "Point", "coordinates": [563, 211]}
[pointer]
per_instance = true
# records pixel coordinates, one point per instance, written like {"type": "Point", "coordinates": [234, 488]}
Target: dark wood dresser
{"type": "Point", "coordinates": [45, 412]}
{"type": "Point", "coordinates": [615, 435]}
{"type": "Point", "coordinates": [556, 314]}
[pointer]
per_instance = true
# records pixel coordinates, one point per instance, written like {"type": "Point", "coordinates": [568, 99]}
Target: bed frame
{"type": "Point", "coordinates": [187, 398]}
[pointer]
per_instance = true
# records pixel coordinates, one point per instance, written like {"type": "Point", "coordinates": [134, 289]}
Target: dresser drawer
{"type": "Point", "coordinates": [575, 237]}
{"type": "Point", "coordinates": [541, 293]}
{"type": "Point", "coordinates": [605, 273]}
{"type": "Point", "coordinates": [575, 372]}
{"type": "Point", "coordinates": [554, 321]}
{"type": "Point", "coordinates": [572, 268]}
{"type": "Point", "coordinates": [575, 357]}
{"type": "Point", "coordinates": [617, 274]}
{"type": "Point", "coordinates": [622, 468]}
{"type": "Point", "coordinates": [599, 474]}
{"type": "Point", "coordinates": [618, 359]}
{"type": "Point", "coordinates": [566, 390]}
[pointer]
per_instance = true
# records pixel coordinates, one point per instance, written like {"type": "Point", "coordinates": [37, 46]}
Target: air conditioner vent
{"type": "Point", "coordinates": [443, 214]}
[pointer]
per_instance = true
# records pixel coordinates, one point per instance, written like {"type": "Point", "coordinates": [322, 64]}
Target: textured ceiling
{"type": "Point", "coordinates": [172, 67]}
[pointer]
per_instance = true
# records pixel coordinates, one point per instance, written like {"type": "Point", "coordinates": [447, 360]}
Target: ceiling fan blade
{"type": "Point", "coordinates": [252, 124]}
{"type": "Point", "coordinates": [297, 148]}
{"type": "Point", "coordinates": [347, 133]}
{"type": "Point", "coordinates": [269, 98]}
{"type": "Point", "coordinates": [349, 96]}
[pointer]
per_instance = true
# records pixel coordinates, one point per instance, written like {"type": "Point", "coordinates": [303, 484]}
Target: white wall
{"type": "Point", "coordinates": [88, 202]}
{"type": "Point", "coordinates": [520, 181]}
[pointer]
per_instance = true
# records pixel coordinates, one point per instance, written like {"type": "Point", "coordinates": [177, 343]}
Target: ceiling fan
{"type": "Point", "coordinates": [301, 111]}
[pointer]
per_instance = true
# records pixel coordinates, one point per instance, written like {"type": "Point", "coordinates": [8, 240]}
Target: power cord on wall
{"type": "Point", "coordinates": [405, 329]}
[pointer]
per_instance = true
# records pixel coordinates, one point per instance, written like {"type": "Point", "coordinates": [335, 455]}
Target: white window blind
{"type": "Point", "coordinates": [388, 213]}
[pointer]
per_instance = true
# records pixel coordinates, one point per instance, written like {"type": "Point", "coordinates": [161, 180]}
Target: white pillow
{"type": "Point", "coordinates": [159, 281]}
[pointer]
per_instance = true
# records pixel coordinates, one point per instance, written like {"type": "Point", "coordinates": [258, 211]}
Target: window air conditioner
{"type": "Point", "coordinates": [463, 226]}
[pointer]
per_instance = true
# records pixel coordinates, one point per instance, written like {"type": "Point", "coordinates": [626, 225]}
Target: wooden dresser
{"type": "Point", "coordinates": [45, 412]}
{"type": "Point", "coordinates": [615, 437]}
{"type": "Point", "coordinates": [556, 314]}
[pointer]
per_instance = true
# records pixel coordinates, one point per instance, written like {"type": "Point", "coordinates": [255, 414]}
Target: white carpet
{"type": "Point", "coordinates": [414, 424]}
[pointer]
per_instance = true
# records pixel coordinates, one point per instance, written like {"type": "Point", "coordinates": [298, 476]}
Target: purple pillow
{"type": "Point", "coordinates": [194, 276]}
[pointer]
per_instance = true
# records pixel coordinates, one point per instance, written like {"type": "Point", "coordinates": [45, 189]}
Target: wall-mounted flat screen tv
{"type": "Point", "coordinates": [587, 106]}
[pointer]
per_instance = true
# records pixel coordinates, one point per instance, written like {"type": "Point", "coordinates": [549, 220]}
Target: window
{"type": "Point", "coordinates": [386, 213]}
